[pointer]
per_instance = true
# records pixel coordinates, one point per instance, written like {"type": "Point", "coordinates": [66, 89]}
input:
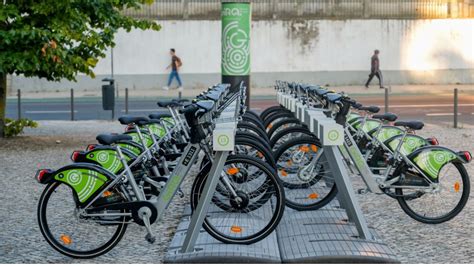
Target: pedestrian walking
{"type": "Point", "coordinates": [176, 63]}
{"type": "Point", "coordinates": [375, 70]}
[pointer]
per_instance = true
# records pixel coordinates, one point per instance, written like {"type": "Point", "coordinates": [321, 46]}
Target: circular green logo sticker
{"type": "Point", "coordinates": [223, 140]}
{"type": "Point", "coordinates": [333, 135]}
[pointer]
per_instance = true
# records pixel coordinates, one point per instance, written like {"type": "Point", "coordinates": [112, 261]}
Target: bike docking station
{"type": "Point", "coordinates": [336, 233]}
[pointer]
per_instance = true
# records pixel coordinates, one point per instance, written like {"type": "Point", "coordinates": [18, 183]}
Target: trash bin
{"type": "Point", "coordinates": [108, 94]}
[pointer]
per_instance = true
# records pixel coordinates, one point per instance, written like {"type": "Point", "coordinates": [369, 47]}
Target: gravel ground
{"type": "Point", "coordinates": [21, 241]}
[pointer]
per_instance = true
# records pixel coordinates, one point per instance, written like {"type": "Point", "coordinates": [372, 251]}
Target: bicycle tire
{"type": "Point", "coordinates": [453, 213]}
{"type": "Point", "coordinates": [278, 203]}
{"type": "Point", "coordinates": [253, 128]}
{"type": "Point", "coordinates": [53, 242]}
{"type": "Point", "coordinates": [295, 129]}
{"type": "Point", "coordinates": [291, 186]}
{"type": "Point", "coordinates": [273, 118]}
{"type": "Point", "coordinates": [270, 110]}
{"type": "Point", "coordinates": [281, 123]}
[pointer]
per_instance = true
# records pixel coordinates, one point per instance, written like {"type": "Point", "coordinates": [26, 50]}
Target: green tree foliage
{"type": "Point", "coordinates": [15, 127]}
{"type": "Point", "coordinates": [56, 39]}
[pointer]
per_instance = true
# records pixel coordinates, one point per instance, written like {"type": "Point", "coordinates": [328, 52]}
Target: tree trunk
{"type": "Point", "coordinates": [3, 102]}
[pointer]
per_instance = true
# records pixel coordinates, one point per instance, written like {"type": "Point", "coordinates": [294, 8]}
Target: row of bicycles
{"type": "Point", "coordinates": [429, 181]}
{"type": "Point", "coordinates": [132, 177]}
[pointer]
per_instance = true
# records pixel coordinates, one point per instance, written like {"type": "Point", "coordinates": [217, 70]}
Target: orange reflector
{"type": "Point", "coordinates": [283, 172]}
{"type": "Point", "coordinates": [259, 154]}
{"type": "Point", "coordinates": [66, 239]}
{"type": "Point", "coordinates": [289, 163]}
{"type": "Point", "coordinates": [313, 196]}
{"type": "Point", "coordinates": [232, 171]}
{"type": "Point", "coordinates": [457, 187]}
{"type": "Point", "coordinates": [314, 148]}
{"type": "Point", "coordinates": [236, 229]}
{"type": "Point", "coordinates": [304, 148]}
{"type": "Point", "coordinates": [107, 193]}
{"type": "Point", "coordinates": [269, 126]}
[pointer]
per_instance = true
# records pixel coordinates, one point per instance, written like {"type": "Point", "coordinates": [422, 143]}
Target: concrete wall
{"type": "Point", "coordinates": [335, 52]}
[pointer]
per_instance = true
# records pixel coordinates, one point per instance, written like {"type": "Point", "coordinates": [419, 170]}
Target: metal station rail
{"type": "Point", "coordinates": [337, 233]}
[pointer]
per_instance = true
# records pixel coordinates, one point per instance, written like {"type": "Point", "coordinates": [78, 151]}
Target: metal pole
{"type": "Point", "coordinates": [386, 100]}
{"type": "Point", "coordinates": [179, 95]}
{"type": "Point", "coordinates": [19, 104]}
{"type": "Point", "coordinates": [112, 61]}
{"type": "Point", "coordinates": [72, 105]}
{"type": "Point", "coordinates": [455, 108]}
{"type": "Point", "coordinates": [126, 101]}
{"type": "Point", "coordinates": [117, 89]}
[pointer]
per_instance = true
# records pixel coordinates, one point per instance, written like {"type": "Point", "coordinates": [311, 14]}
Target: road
{"type": "Point", "coordinates": [429, 108]}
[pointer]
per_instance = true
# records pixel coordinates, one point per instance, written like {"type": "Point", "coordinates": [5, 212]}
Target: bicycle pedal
{"type": "Point", "coordinates": [150, 238]}
{"type": "Point", "coordinates": [180, 193]}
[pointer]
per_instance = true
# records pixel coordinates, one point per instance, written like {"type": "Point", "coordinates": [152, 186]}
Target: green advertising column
{"type": "Point", "coordinates": [236, 23]}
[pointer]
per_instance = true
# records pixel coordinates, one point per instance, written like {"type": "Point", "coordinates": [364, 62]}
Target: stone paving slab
{"type": "Point", "coordinates": [319, 236]}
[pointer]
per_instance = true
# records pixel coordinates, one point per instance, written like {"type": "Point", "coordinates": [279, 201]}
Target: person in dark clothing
{"type": "Point", "coordinates": [375, 70]}
{"type": "Point", "coordinates": [175, 65]}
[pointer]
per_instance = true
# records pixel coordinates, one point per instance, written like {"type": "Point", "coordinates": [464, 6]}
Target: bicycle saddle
{"type": "Point", "coordinates": [180, 100]}
{"type": "Point", "coordinates": [357, 105]}
{"type": "Point", "coordinates": [159, 115]}
{"type": "Point", "coordinates": [387, 117]}
{"type": "Point", "coordinates": [333, 97]}
{"type": "Point", "coordinates": [371, 109]}
{"type": "Point", "coordinates": [167, 104]}
{"type": "Point", "coordinates": [320, 91]}
{"type": "Point", "coordinates": [215, 95]}
{"type": "Point", "coordinates": [219, 88]}
{"type": "Point", "coordinates": [125, 120]}
{"type": "Point", "coordinates": [206, 105]}
{"type": "Point", "coordinates": [107, 139]}
{"type": "Point", "coordinates": [151, 121]}
{"type": "Point", "coordinates": [415, 125]}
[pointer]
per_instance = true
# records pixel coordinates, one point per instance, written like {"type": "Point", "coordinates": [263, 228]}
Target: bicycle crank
{"type": "Point", "coordinates": [134, 207]}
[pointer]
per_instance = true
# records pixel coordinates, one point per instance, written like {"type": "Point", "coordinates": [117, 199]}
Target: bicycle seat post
{"type": "Point", "coordinates": [140, 136]}
{"type": "Point", "coordinates": [376, 134]}
{"type": "Point", "coordinates": [123, 160]}
{"type": "Point", "coordinates": [396, 153]}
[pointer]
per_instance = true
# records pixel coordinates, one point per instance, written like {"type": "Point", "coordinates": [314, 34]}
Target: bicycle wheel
{"type": "Point", "coordinates": [255, 149]}
{"type": "Point", "coordinates": [254, 114]}
{"type": "Point", "coordinates": [442, 205]}
{"type": "Point", "coordinates": [275, 117]}
{"type": "Point", "coordinates": [70, 233]}
{"type": "Point", "coordinates": [251, 119]}
{"type": "Point", "coordinates": [250, 214]}
{"type": "Point", "coordinates": [249, 146]}
{"type": "Point", "coordinates": [304, 172]}
{"type": "Point", "coordinates": [249, 127]}
{"type": "Point", "coordinates": [265, 113]}
{"type": "Point", "coordinates": [282, 124]}
{"type": "Point", "coordinates": [253, 137]}
{"type": "Point", "coordinates": [288, 133]}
